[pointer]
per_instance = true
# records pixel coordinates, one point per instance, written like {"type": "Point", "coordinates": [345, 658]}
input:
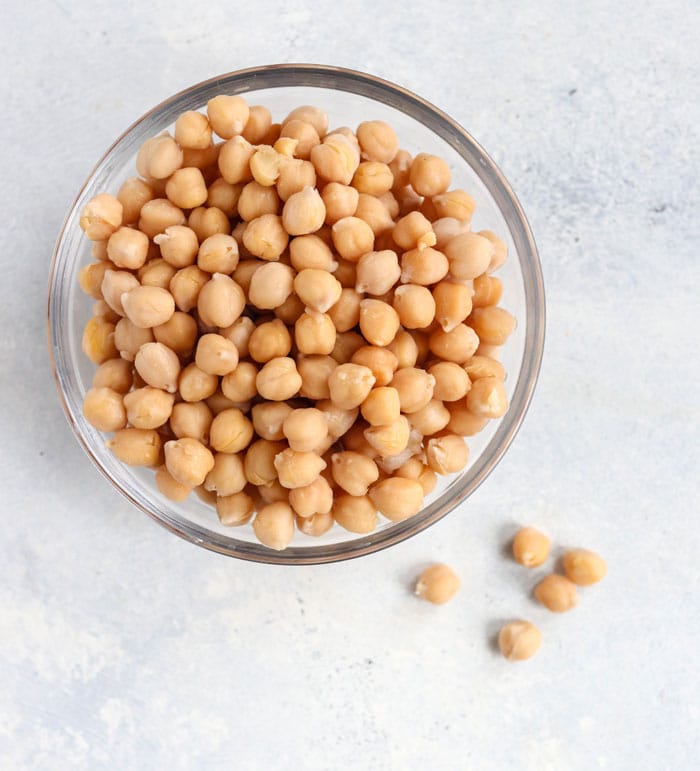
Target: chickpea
{"type": "Point", "coordinates": [423, 266]}
{"type": "Point", "coordinates": [179, 333]}
{"type": "Point", "coordinates": [584, 567]}
{"type": "Point", "coordinates": [556, 593]}
{"type": "Point", "coordinates": [278, 380]}
{"type": "Point", "coordinates": [350, 385]}
{"type": "Point", "coordinates": [437, 584]}
{"type": "Point", "coordinates": [317, 289]}
{"type": "Point", "coordinates": [148, 306]}
{"type": "Point", "coordinates": [451, 381]}
{"type": "Point", "coordinates": [218, 402]}
{"type": "Point", "coordinates": [228, 115]}
{"type": "Point", "coordinates": [372, 178]}
{"type": "Point", "coordinates": [379, 322]}
{"type": "Point", "coordinates": [304, 132]}
{"type": "Point", "coordinates": [239, 385]}
{"type": "Point", "coordinates": [218, 254]}
{"type": "Point", "coordinates": [355, 513]}
{"type": "Point", "coordinates": [159, 157]}
{"type": "Point", "coordinates": [453, 303]}
{"type": "Point", "coordinates": [354, 439]}
{"type": "Point", "coordinates": [310, 115]}
{"type": "Point", "coordinates": [530, 547]}
{"type": "Point", "coordinates": [382, 362]}
{"type": "Point", "coordinates": [116, 283]}
{"type": "Point", "coordinates": [100, 308]}
{"type": "Point", "coordinates": [208, 221]}
{"type": "Point", "coordinates": [310, 252]}
{"type": "Point", "coordinates": [127, 248]}
{"type": "Point", "coordinates": [314, 333]}
{"type": "Point", "coordinates": [258, 124]}
{"type": "Point", "coordinates": [191, 420]}
{"type": "Point", "coordinates": [381, 407]}
{"type": "Point", "coordinates": [188, 461]}
{"type": "Point", "coordinates": [430, 419]}
{"type": "Point", "coordinates": [415, 388]}
{"type": "Point", "coordinates": [148, 407]}
{"type": "Point", "coordinates": [414, 468]}
{"type": "Point", "coordinates": [345, 312]}
{"type": "Point", "coordinates": [447, 454]}
{"type": "Point", "coordinates": [500, 250]}
{"type": "Point", "coordinates": [346, 273]}
{"type": "Point", "coordinates": [353, 472]}
{"type": "Point", "coordinates": [462, 421]}
{"type": "Point", "coordinates": [273, 493]}
{"type": "Point", "coordinates": [487, 398]}
{"type": "Point", "coordinates": [373, 211]}
{"type": "Point", "coordinates": [414, 231]}
{"type": "Point", "coordinates": [378, 141]}
{"type": "Point", "coordinates": [429, 175]}
{"type": "Point", "coordinates": [186, 188]}
{"type": "Point", "coordinates": [346, 343]}
{"type": "Point", "coordinates": [377, 272]}
{"type": "Point", "coordinates": [457, 204]}
{"type": "Point", "coordinates": [103, 409]}
{"type": "Point", "coordinates": [178, 245]}
{"type": "Point", "coordinates": [349, 134]}
{"type": "Point", "coordinates": [91, 276]}
{"type": "Point", "coordinates": [205, 160]}
{"type": "Point", "coordinates": [352, 237]}
{"type": "Point", "coordinates": [294, 176]}
{"type": "Point", "coordinates": [339, 420]}
{"type": "Point", "coordinates": [397, 497]}
{"type": "Point", "coordinates": [157, 216]}
{"type": "Point", "coordinates": [414, 305]}
{"type": "Point", "coordinates": [487, 291]}
{"type": "Point", "coordinates": [298, 469]}
{"type": "Point", "coordinates": [389, 440]}
{"type": "Point", "coordinates": [312, 499]}
{"type": "Point", "coordinates": [265, 237]}
{"type": "Point", "coordinates": [192, 130]}
{"type": "Point", "coordinates": [519, 640]}
{"type": "Point", "coordinates": [158, 365]}
{"type": "Point", "coordinates": [274, 525]}
{"type": "Point", "coordinates": [239, 333]}
{"type": "Point", "coordinates": [493, 325]}
{"type": "Point", "coordinates": [483, 366]}
{"type": "Point", "coordinates": [226, 476]}
{"type": "Point", "coordinates": [340, 201]}
{"type": "Point", "coordinates": [220, 301]}
{"type": "Point", "coordinates": [445, 229]}
{"type": "Point", "coordinates": [98, 250]}
{"type": "Point", "coordinates": [115, 374]}
{"type": "Point", "coordinates": [224, 196]}
{"type": "Point", "coordinates": [136, 446]}
{"type": "Point", "coordinates": [469, 255]}
{"type": "Point", "coordinates": [458, 346]}
{"type": "Point", "coordinates": [216, 355]}
{"type": "Point", "coordinates": [268, 418]}
{"type": "Point", "coordinates": [195, 384]}
{"type": "Point", "coordinates": [489, 351]}
{"type": "Point", "coordinates": [156, 272]}
{"type": "Point", "coordinates": [170, 487]}
{"type": "Point", "coordinates": [405, 348]}
{"type": "Point", "coordinates": [256, 200]}
{"type": "Point", "coordinates": [234, 160]}
{"type": "Point", "coordinates": [315, 371]}
{"type": "Point", "coordinates": [270, 340]}
{"type": "Point", "coordinates": [234, 510]}
{"type": "Point", "coordinates": [132, 195]}
{"type": "Point", "coordinates": [230, 431]}
{"type": "Point", "coordinates": [305, 429]}
{"type": "Point", "coordinates": [335, 159]}
{"type": "Point", "coordinates": [259, 463]}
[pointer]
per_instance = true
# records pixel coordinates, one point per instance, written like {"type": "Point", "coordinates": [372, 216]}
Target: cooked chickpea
{"type": "Point", "coordinates": [346, 343]}
{"type": "Point", "coordinates": [268, 418]}
{"type": "Point", "coordinates": [156, 272]}
{"type": "Point", "coordinates": [100, 308]}
{"type": "Point", "coordinates": [170, 487]}
{"type": "Point", "coordinates": [451, 381]}
{"type": "Point", "coordinates": [405, 348]}
{"type": "Point", "coordinates": [429, 175]}
{"type": "Point", "coordinates": [500, 250]}
{"type": "Point", "coordinates": [415, 306]}
{"type": "Point", "coordinates": [374, 212]}
{"type": "Point", "coordinates": [195, 384]}
{"type": "Point", "coordinates": [157, 216]}
{"type": "Point", "coordinates": [128, 338]}
{"type": "Point", "coordinates": [339, 420]}
{"type": "Point", "coordinates": [382, 362]}
{"type": "Point", "coordinates": [494, 325]}
{"type": "Point", "coordinates": [377, 272]}
{"type": "Point", "coordinates": [487, 291]}
{"type": "Point", "coordinates": [191, 420]}
{"type": "Point", "coordinates": [259, 462]}
{"type": "Point", "coordinates": [224, 196]}
{"type": "Point", "coordinates": [220, 301]}
{"type": "Point", "coordinates": [372, 178]}
{"type": "Point", "coordinates": [204, 159]}
{"type": "Point", "coordinates": [352, 237]}
{"type": "Point", "coordinates": [584, 567]}
{"type": "Point", "coordinates": [208, 221]}
{"type": "Point", "coordinates": [239, 334]}
{"type": "Point", "coordinates": [269, 340]}
{"type": "Point", "coordinates": [239, 385]}
{"type": "Point", "coordinates": [179, 333]}
{"type": "Point", "coordinates": [530, 547]}
{"type": "Point", "coordinates": [115, 374]}
{"type": "Point", "coordinates": [350, 384]}
{"type": "Point", "coordinates": [306, 135]}
{"type": "Point", "coordinates": [484, 366]}
{"type": "Point", "coordinates": [186, 188]}
{"type": "Point", "coordinates": [340, 201]}
{"type": "Point", "coordinates": [216, 355]}
{"type": "Point", "coordinates": [310, 252]}
{"type": "Point", "coordinates": [188, 461]}
{"type": "Point", "coordinates": [159, 157]}
{"type": "Point", "coordinates": [391, 439]}
{"type": "Point", "coordinates": [414, 468]}
{"type": "Point", "coordinates": [312, 499]}
{"type": "Point", "coordinates": [414, 231]}
{"type": "Point", "coordinates": [158, 366]}
{"type": "Point", "coordinates": [489, 351]}
{"type": "Point", "coordinates": [487, 398]}
{"type": "Point", "coordinates": [303, 212]}
{"type": "Point", "coordinates": [397, 497]}
{"type": "Point", "coordinates": [270, 285]}
{"type": "Point", "coordinates": [305, 429]}
{"type": "Point", "coordinates": [314, 372]}
{"type": "Point", "coordinates": [148, 407]}
{"type": "Point", "coordinates": [317, 289]}
{"type": "Point", "coordinates": [103, 408]}
{"type": "Point", "coordinates": [234, 160]}
{"type": "Point", "coordinates": [136, 446]}
{"type": "Point", "coordinates": [355, 513]}
{"type": "Point", "coordinates": [447, 454]}
{"type": "Point", "coordinates": [462, 421]}
{"type": "Point", "coordinates": [178, 245]}
{"type": "Point", "coordinates": [430, 419]}
{"type": "Point", "coordinates": [116, 283]}
{"type": "Point", "coordinates": [230, 431]}
{"type": "Point", "coordinates": [128, 248]}
{"type": "Point", "coordinates": [226, 476]}
{"type": "Point", "coordinates": [445, 229]}
{"type": "Point", "coordinates": [148, 306]}
{"type": "Point", "coordinates": [415, 388]}
{"type": "Point", "coordinates": [469, 255]}
{"type": "Point", "coordinates": [335, 159]}
{"type": "Point", "coordinates": [346, 273]}
{"type": "Point", "coordinates": [423, 266]}
{"type": "Point", "coordinates": [234, 510]}
{"type": "Point", "coordinates": [353, 472]}
{"type": "Point", "coordinates": [273, 492]}
{"type": "Point", "coordinates": [437, 584]}
{"type": "Point", "coordinates": [256, 200]}
{"type": "Point", "coordinates": [453, 303]}
{"type": "Point", "coordinates": [345, 312]}
{"type": "Point", "coordinates": [556, 593]}
{"type": "Point", "coordinates": [218, 254]}
{"type": "Point", "coordinates": [379, 322]}
{"type": "Point", "coordinates": [192, 130]}
{"type": "Point", "coordinates": [458, 345]}
{"type": "Point", "coordinates": [265, 237]}
{"type": "Point", "coordinates": [457, 204]}
{"type": "Point", "coordinates": [298, 469]}
{"type": "Point", "coordinates": [314, 333]}
{"type": "Point", "coordinates": [294, 176]}
{"type": "Point", "coordinates": [274, 525]}
{"type": "Point", "coordinates": [258, 124]}
{"type": "Point", "coordinates": [519, 640]}
{"type": "Point", "coordinates": [228, 115]}
{"type": "Point", "coordinates": [132, 195]}
{"type": "Point", "coordinates": [278, 380]}
{"type": "Point", "coordinates": [381, 407]}
{"type": "Point", "coordinates": [378, 141]}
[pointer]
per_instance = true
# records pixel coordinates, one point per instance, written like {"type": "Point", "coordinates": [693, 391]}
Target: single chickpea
{"type": "Point", "coordinates": [317, 289]}
{"type": "Point", "coordinates": [397, 498]}
{"type": "Point", "coordinates": [148, 306]}
{"type": "Point", "coordinates": [530, 547]}
{"type": "Point", "coordinates": [346, 343]}
{"type": "Point", "coordinates": [207, 221]}
{"type": "Point", "coordinates": [437, 584]}
{"type": "Point", "coordinates": [148, 407]}
{"type": "Point", "coordinates": [226, 476]}
{"type": "Point", "coordinates": [353, 472]}
{"type": "Point", "coordinates": [414, 468]}
{"type": "Point", "coordinates": [423, 266]}
{"type": "Point", "coordinates": [372, 178]}
{"type": "Point", "coordinates": [445, 229]}
{"type": "Point", "coordinates": [98, 250]}
{"type": "Point", "coordinates": [556, 593]}
{"type": "Point", "coordinates": [305, 134]}
{"type": "Point", "coordinates": [346, 273]}
{"type": "Point", "coordinates": [345, 312]}
{"type": "Point", "coordinates": [259, 462]}
{"type": "Point", "coordinates": [258, 124]}
{"type": "Point", "coordinates": [340, 201]}
{"type": "Point", "coordinates": [234, 160]}
{"type": "Point", "coordinates": [462, 421]}
{"type": "Point", "coordinates": [352, 237]}
{"type": "Point", "coordinates": [350, 385]}
{"type": "Point", "coordinates": [234, 510]}
{"type": "Point", "coordinates": [414, 231]}
{"type": "Point", "coordinates": [483, 366]}
{"type": "Point", "coordinates": [487, 291]}
{"type": "Point", "coordinates": [400, 167]}
{"type": "Point", "coordinates": [270, 285]}
{"type": "Point", "coordinates": [453, 303]}
{"type": "Point", "coordinates": [103, 409]}
{"type": "Point", "coordinates": [447, 454]}
{"type": "Point", "coordinates": [228, 115]}
{"type": "Point", "coordinates": [158, 365]}
{"type": "Point", "coordinates": [205, 160]}
{"type": "Point", "coordinates": [294, 176]}
{"type": "Point", "coordinates": [159, 157]}
{"type": "Point", "coordinates": [335, 159]}
{"type": "Point", "coordinates": [315, 498]}
{"type": "Point", "coordinates": [278, 380]}
{"type": "Point", "coordinates": [458, 346]}
{"type": "Point", "coordinates": [265, 237]}
{"type": "Point", "coordinates": [216, 355]}
{"type": "Point", "coordinates": [268, 418]}
{"type": "Point", "coordinates": [487, 398]}
{"type": "Point", "coordinates": [136, 446]}
{"type": "Point", "coordinates": [239, 333]}
{"type": "Point", "coordinates": [305, 429]}
{"type": "Point", "coordinates": [269, 340]}
{"type": "Point", "coordinates": [379, 322]}
{"type": "Point", "coordinates": [415, 388]}
{"type": "Point", "coordinates": [192, 130]}
{"type": "Point", "coordinates": [377, 272]}
{"type": "Point", "coordinates": [314, 333]}
{"type": "Point", "coordinates": [414, 305]}
{"type": "Point", "coordinates": [191, 420]}
{"type": "Point", "coordinates": [310, 114]}
{"type": "Point", "coordinates": [220, 301]}
{"type": "Point", "coordinates": [186, 188]}
{"type": "Point", "coordinates": [382, 362]}
{"type": "Point", "coordinates": [274, 525]}
{"type": "Point", "coordinates": [314, 372]}
{"type": "Point", "coordinates": [114, 284]}
{"type": "Point", "coordinates": [188, 461]}
{"type": "Point", "coordinates": [170, 487]}
{"type": "Point", "coordinates": [127, 248]}
{"type": "Point", "coordinates": [454, 203]}
{"type": "Point", "coordinates": [500, 250]}
{"type": "Point", "coordinates": [469, 255]}
{"type": "Point", "coordinates": [132, 195]}
{"type": "Point", "coordinates": [273, 493]}
{"type": "Point", "coordinates": [519, 640]}
{"type": "Point", "coordinates": [157, 216]}
{"type": "Point", "coordinates": [156, 272]}
{"type": "Point", "coordinates": [224, 196]}
{"type": "Point", "coordinates": [429, 175]}
{"type": "Point", "coordinates": [178, 245]}
{"type": "Point", "coordinates": [339, 420]}
{"type": "Point", "coordinates": [218, 254]}
{"type": "Point", "coordinates": [405, 348]}
{"type": "Point", "coordinates": [239, 385]}
{"type": "Point", "coordinates": [378, 141]}
{"type": "Point", "coordinates": [373, 211]}
{"type": "Point", "coordinates": [179, 333]}
{"type": "Point", "coordinates": [408, 200]}
{"type": "Point", "coordinates": [266, 164]}
{"type": "Point", "coordinates": [389, 440]}
{"type": "Point", "coordinates": [115, 374]}
{"type": "Point", "coordinates": [381, 407]}
{"type": "Point", "coordinates": [298, 469]}
{"type": "Point", "coordinates": [451, 381]}
{"type": "Point", "coordinates": [128, 338]}
{"type": "Point", "coordinates": [256, 200]}
{"type": "Point", "coordinates": [230, 431]}
{"type": "Point", "coordinates": [494, 325]}
{"type": "Point", "coordinates": [195, 384]}
{"type": "Point", "coordinates": [355, 513]}
{"type": "Point", "coordinates": [430, 419]}
{"type": "Point", "coordinates": [584, 567]}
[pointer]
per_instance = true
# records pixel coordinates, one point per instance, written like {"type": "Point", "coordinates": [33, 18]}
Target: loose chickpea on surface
{"type": "Point", "coordinates": [584, 567]}
{"type": "Point", "coordinates": [519, 640]}
{"type": "Point", "coordinates": [530, 547]}
{"type": "Point", "coordinates": [437, 584]}
{"type": "Point", "coordinates": [556, 593]}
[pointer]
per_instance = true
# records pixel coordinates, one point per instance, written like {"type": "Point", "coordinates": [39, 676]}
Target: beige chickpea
{"type": "Point", "coordinates": [391, 439]}
{"type": "Point", "coordinates": [274, 525]}
{"type": "Point", "coordinates": [91, 276]}
{"type": "Point", "coordinates": [314, 498]}
{"type": "Point", "coordinates": [458, 345]}
{"type": "Point", "coordinates": [453, 303]}
{"type": "Point", "coordinates": [188, 461]}
{"type": "Point", "coordinates": [423, 266]}
{"type": "Point", "coordinates": [317, 289]}
{"type": "Point", "coordinates": [519, 640]}
{"type": "Point", "coordinates": [230, 431]}
{"type": "Point", "coordinates": [530, 547]}
{"type": "Point", "coordinates": [451, 381]}
{"type": "Point", "coordinates": [191, 420]}
{"type": "Point", "coordinates": [234, 160]}
{"type": "Point", "coordinates": [457, 204]}
{"type": "Point", "coordinates": [345, 312]}
{"type": "Point", "coordinates": [430, 419]}
{"type": "Point", "coordinates": [195, 384]}
{"type": "Point", "coordinates": [132, 195]}
{"type": "Point", "coordinates": [179, 333]}
{"type": "Point", "coordinates": [224, 196]}
{"type": "Point", "coordinates": [306, 135]}
{"type": "Point", "coordinates": [397, 497]}
{"type": "Point", "coordinates": [437, 584]}
{"type": "Point", "coordinates": [400, 167]}
{"type": "Point", "coordinates": [278, 380]}
{"type": "Point", "coordinates": [218, 402]}
{"type": "Point", "coordinates": [372, 178]}
{"type": "Point", "coordinates": [100, 308]}
{"type": "Point", "coordinates": [340, 201]}
{"type": "Point", "coordinates": [305, 429]}
{"type": "Point", "coordinates": [379, 322]}
{"type": "Point", "coordinates": [128, 338]}
{"type": "Point", "coordinates": [429, 175]}
{"type": "Point", "coordinates": [414, 305]}
{"type": "Point", "coordinates": [556, 593]}
{"type": "Point", "coordinates": [228, 115]}
{"type": "Point", "coordinates": [148, 407]}
{"type": "Point", "coordinates": [414, 231]}
{"type": "Point", "coordinates": [500, 250]}
{"type": "Point", "coordinates": [349, 385]}
{"type": "Point", "coordinates": [157, 216]}
{"type": "Point", "coordinates": [382, 362]}
{"type": "Point", "coordinates": [490, 351]}
{"type": "Point", "coordinates": [272, 493]}
{"type": "Point", "coordinates": [335, 159]}
{"type": "Point", "coordinates": [310, 252]}
{"type": "Point", "coordinates": [487, 398]}
{"type": "Point", "coordinates": [268, 418]}
{"type": "Point", "coordinates": [464, 422]}
{"type": "Point", "coordinates": [156, 272]}
{"type": "Point", "coordinates": [294, 175]}
{"type": "Point", "coordinates": [298, 469]}
{"type": "Point", "coordinates": [352, 237]}
{"type": "Point", "coordinates": [136, 446]}
{"type": "Point", "coordinates": [445, 229]}
{"type": "Point", "coordinates": [374, 212]}
{"type": "Point", "coordinates": [355, 513]}
{"type": "Point", "coordinates": [312, 115]}
{"type": "Point", "coordinates": [265, 237]}
{"type": "Point", "coordinates": [103, 408]}
{"type": "Point", "coordinates": [192, 130]}
{"type": "Point", "coordinates": [346, 343]}
{"type": "Point", "coordinates": [414, 468]}
{"type": "Point", "coordinates": [239, 385]}
{"type": "Point", "coordinates": [186, 188]}
{"type": "Point", "coordinates": [244, 272]}
{"type": "Point", "coordinates": [158, 366]}
{"type": "Point", "coordinates": [178, 245]}
{"type": "Point", "coordinates": [266, 164]}
{"type": "Point", "coordinates": [415, 388]}
{"type": "Point", "coordinates": [128, 248]}
{"type": "Point", "coordinates": [303, 212]}
{"type": "Point", "coordinates": [484, 366]}
{"type": "Point", "coordinates": [234, 510]}
{"type": "Point", "coordinates": [469, 255]}
{"type": "Point", "coordinates": [353, 472]}
{"type": "Point", "coordinates": [346, 273]}
{"type": "Point", "coordinates": [447, 454]}
{"type": "Point", "coordinates": [256, 200]}
{"type": "Point", "coordinates": [339, 420]}
{"type": "Point", "coordinates": [584, 567]}
{"type": "Point", "coordinates": [493, 324]}
{"type": "Point", "coordinates": [378, 141]}
{"type": "Point", "coordinates": [204, 159]}
{"type": "Point", "coordinates": [269, 340]}
{"type": "Point", "coordinates": [220, 301]}
{"type": "Point", "coordinates": [259, 461]}
{"type": "Point", "coordinates": [314, 372]}
{"type": "Point", "coordinates": [239, 334]}
{"type": "Point", "coordinates": [314, 333]}
{"type": "Point", "coordinates": [218, 254]}
{"type": "Point", "coordinates": [216, 355]}
{"type": "Point", "coordinates": [381, 406]}
{"type": "Point", "coordinates": [159, 157]}
{"type": "Point", "coordinates": [487, 291]}
{"type": "Point", "coordinates": [114, 284]}
{"type": "Point", "coordinates": [377, 272]}
{"type": "Point", "coordinates": [148, 306]}
{"type": "Point", "coordinates": [258, 124]}
{"type": "Point", "coordinates": [208, 221]}
{"type": "Point", "coordinates": [170, 487]}
{"type": "Point", "coordinates": [226, 476]}
{"type": "Point", "coordinates": [405, 348]}
{"type": "Point", "coordinates": [115, 374]}
{"type": "Point", "coordinates": [270, 285]}
{"type": "Point", "coordinates": [390, 203]}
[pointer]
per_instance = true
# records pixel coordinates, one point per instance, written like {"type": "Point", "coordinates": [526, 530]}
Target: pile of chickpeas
{"type": "Point", "coordinates": [297, 324]}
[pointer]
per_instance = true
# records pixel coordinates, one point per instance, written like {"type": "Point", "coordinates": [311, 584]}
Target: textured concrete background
{"type": "Point", "coordinates": [123, 647]}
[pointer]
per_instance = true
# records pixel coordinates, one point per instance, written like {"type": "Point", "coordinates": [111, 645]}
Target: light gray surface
{"type": "Point", "coordinates": [123, 647]}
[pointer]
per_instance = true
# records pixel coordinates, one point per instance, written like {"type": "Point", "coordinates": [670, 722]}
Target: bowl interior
{"type": "Point", "coordinates": [348, 98]}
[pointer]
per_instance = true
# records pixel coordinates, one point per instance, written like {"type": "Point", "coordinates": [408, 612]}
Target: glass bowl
{"type": "Point", "coordinates": [349, 97]}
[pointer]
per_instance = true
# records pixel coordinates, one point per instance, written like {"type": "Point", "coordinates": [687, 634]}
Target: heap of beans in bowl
{"type": "Point", "coordinates": [296, 323]}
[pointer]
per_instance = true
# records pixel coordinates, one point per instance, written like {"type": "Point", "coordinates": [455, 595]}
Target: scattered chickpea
{"type": "Point", "coordinates": [437, 584]}
{"type": "Point", "coordinates": [556, 593]}
{"type": "Point", "coordinates": [530, 547]}
{"type": "Point", "coordinates": [519, 640]}
{"type": "Point", "coordinates": [397, 497]}
{"type": "Point", "coordinates": [584, 567]}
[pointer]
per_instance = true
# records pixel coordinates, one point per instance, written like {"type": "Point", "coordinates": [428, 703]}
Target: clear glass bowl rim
{"type": "Point", "coordinates": [352, 81]}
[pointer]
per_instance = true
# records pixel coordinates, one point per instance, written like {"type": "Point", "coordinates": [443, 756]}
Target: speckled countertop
{"type": "Point", "coordinates": [122, 647]}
